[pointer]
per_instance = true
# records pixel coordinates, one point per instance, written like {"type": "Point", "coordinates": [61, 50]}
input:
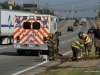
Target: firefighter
{"type": "Point", "coordinates": [88, 45]}
{"type": "Point", "coordinates": [57, 40]}
{"type": "Point", "coordinates": [96, 37]}
{"type": "Point", "coordinates": [51, 42]}
{"type": "Point", "coordinates": [57, 44]}
{"type": "Point", "coordinates": [77, 46]}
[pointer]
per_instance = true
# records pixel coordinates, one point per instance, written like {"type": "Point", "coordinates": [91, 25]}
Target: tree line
{"type": "Point", "coordinates": [5, 5]}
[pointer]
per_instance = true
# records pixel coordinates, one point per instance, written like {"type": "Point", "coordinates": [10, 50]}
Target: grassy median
{"type": "Point", "coordinates": [97, 21]}
{"type": "Point", "coordinates": [88, 71]}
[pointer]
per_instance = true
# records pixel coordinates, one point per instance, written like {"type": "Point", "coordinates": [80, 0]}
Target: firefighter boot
{"type": "Point", "coordinates": [89, 54]}
{"type": "Point", "coordinates": [96, 51]}
{"type": "Point", "coordinates": [51, 58]}
{"type": "Point", "coordinates": [99, 53]}
{"type": "Point", "coordinates": [74, 58]}
{"type": "Point", "coordinates": [84, 54]}
{"type": "Point", "coordinates": [79, 58]}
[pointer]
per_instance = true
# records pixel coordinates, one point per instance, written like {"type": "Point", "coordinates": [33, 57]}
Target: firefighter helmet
{"type": "Point", "coordinates": [80, 34]}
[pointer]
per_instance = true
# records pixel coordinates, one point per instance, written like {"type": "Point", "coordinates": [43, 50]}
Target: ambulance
{"type": "Point", "coordinates": [30, 32]}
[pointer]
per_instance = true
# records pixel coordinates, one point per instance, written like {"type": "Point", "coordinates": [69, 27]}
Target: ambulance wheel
{"type": "Point", "coordinates": [21, 52]}
{"type": "Point", "coordinates": [11, 40]}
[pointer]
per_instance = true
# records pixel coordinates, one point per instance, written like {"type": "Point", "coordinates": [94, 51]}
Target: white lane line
{"type": "Point", "coordinates": [5, 47]}
{"type": "Point", "coordinates": [63, 42]}
{"type": "Point", "coordinates": [67, 52]}
{"type": "Point", "coordinates": [94, 24]}
{"type": "Point", "coordinates": [60, 23]}
{"type": "Point", "coordinates": [30, 68]}
{"type": "Point", "coordinates": [35, 66]}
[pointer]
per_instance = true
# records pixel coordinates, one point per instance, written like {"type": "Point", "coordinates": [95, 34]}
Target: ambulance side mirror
{"type": "Point", "coordinates": [59, 33]}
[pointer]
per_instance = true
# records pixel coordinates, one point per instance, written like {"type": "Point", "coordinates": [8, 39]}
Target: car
{"type": "Point", "coordinates": [60, 19]}
{"type": "Point", "coordinates": [75, 24]}
{"type": "Point", "coordinates": [70, 28]}
{"type": "Point", "coordinates": [91, 30]}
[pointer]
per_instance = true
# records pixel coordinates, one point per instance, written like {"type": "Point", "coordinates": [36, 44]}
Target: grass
{"type": "Point", "coordinates": [88, 71]}
{"type": "Point", "coordinates": [97, 21]}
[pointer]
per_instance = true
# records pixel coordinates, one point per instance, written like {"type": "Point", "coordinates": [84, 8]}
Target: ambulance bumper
{"type": "Point", "coordinates": [31, 47]}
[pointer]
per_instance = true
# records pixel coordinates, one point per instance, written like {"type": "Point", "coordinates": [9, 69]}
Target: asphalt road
{"type": "Point", "coordinates": [12, 64]}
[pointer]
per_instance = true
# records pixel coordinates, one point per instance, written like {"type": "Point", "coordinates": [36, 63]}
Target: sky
{"type": "Point", "coordinates": [83, 8]}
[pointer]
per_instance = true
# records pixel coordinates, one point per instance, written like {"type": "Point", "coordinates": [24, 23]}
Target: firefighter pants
{"type": "Point", "coordinates": [88, 47]}
{"type": "Point", "coordinates": [76, 53]}
{"type": "Point", "coordinates": [51, 53]}
{"type": "Point", "coordinates": [97, 46]}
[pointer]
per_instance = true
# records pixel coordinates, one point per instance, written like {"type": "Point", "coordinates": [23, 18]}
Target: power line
{"type": "Point", "coordinates": [80, 8]}
{"type": "Point", "coordinates": [70, 3]}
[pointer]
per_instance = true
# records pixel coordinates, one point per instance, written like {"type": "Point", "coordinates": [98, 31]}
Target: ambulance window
{"type": "Point", "coordinates": [26, 25]}
{"type": "Point", "coordinates": [36, 25]}
{"type": "Point", "coordinates": [38, 18]}
{"type": "Point", "coordinates": [54, 26]}
{"type": "Point", "coordinates": [24, 17]}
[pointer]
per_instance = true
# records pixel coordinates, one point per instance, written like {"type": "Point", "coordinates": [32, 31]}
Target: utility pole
{"type": "Point", "coordinates": [72, 11]}
{"type": "Point", "coordinates": [47, 7]}
{"type": "Point", "coordinates": [98, 7]}
{"type": "Point", "coordinates": [38, 4]}
{"type": "Point", "coordinates": [21, 4]}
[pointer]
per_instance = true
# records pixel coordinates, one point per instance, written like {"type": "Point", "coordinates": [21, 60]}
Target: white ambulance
{"type": "Point", "coordinates": [30, 32]}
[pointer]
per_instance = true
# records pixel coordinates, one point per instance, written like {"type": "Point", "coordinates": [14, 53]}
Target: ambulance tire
{"type": "Point", "coordinates": [21, 52]}
{"type": "Point", "coordinates": [11, 40]}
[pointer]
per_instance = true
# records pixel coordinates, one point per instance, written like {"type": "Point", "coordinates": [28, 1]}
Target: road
{"type": "Point", "coordinates": [12, 64]}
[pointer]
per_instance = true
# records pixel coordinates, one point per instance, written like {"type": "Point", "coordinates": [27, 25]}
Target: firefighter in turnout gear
{"type": "Point", "coordinates": [88, 45]}
{"type": "Point", "coordinates": [96, 37]}
{"type": "Point", "coordinates": [77, 46]}
{"type": "Point", "coordinates": [51, 42]}
{"type": "Point", "coordinates": [57, 41]}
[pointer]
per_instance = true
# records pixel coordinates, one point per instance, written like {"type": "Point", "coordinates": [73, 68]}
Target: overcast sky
{"type": "Point", "coordinates": [65, 5]}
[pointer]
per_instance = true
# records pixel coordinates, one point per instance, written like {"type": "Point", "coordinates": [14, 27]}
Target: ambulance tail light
{"type": "Point", "coordinates": [44, 39]}
{"type": "Point", "coordinates": [18, 39]}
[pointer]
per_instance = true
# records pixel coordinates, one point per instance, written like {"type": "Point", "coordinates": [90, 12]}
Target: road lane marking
{"type": "Point", "coordinates": [63, 42]}
{"type": "Point", "coordinates": [94, 24]}
{"type": "Point", "coordinates": [67, 52]}
{"type": "Point", "coordinates": [17, 73]}
{"type": "Point", "coordinates": [60, 23]}
{"type": "Point", "coordinates": [64, 25]}
{"type": "Point", "coordinates": [5, 47]}
{"type": "Point", "coordinates": [30, 68]}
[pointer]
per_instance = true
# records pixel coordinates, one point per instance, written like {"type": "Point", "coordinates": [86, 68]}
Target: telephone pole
{"type": "Point", "coordinates": [38, 4]}
{"type": "Point", "coordinates": [99, 10]}
{"type": "Point", "coordinates": [72, 12]}
{"type": "Point", "coordinates": [21, 4]}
